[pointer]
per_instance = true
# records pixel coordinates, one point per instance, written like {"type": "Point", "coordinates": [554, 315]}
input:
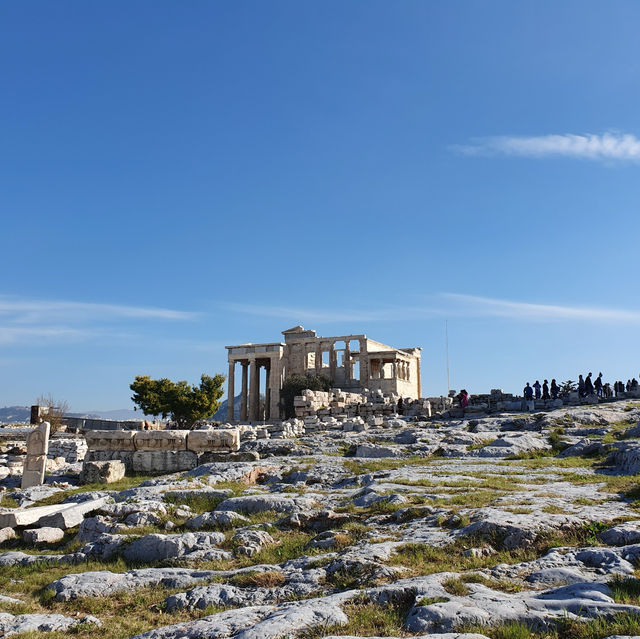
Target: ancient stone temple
{"type": "Point", "coordinates": [352, 363]}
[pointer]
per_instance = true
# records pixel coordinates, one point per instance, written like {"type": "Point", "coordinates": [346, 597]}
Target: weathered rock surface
{"type": "Point", "coordinates": [280, 503]}
{"type": "Point", "coordinates": [156, 547]}
{"type": "Point", "coordinates": [11, 625]}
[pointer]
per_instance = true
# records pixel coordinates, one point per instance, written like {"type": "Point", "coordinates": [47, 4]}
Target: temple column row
{"type": "Point", "coordinates": [250, 392]}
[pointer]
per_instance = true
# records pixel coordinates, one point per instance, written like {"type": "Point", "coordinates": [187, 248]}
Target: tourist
{"type": "Point", "coordinates": [598, 385]}
{"type": "Point", "coordinates": [580, 386]}
{"type": "Point", "coordinates": [608, 393]}
{"type": "Point", "coordinates": [537, 388]}
{"type": "Point", "coordinates": [588, 385]}
{"type": "Point", "coordinates": [628, 387]}
{"type": "Point", "coordinates": [463, 396]}
{"type": "Point", "coordinates": [545, 390]}
{"type": "Point", "coordinates": [528, 397]}
{"type": "Point", "coordinates": [555, 389]}
{"type": "Point", "coordinates": [634, 384]}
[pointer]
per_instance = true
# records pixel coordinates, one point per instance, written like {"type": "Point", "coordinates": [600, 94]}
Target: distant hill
{"type": "Point", "coordinates": [15, 414]}
{"type": "Point", "coordinates": [22, 414]}
{"type": "Point", "coordinates": [120, 414]}
{"type": "Point", "coordinates": [221, 414]}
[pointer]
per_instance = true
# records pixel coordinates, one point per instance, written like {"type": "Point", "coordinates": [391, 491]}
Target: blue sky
{"type": "Point", "coordinates": [176, 176]}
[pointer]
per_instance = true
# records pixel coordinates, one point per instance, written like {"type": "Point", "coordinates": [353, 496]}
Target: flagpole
{"type": "Point", "coordinates": [446, 337]}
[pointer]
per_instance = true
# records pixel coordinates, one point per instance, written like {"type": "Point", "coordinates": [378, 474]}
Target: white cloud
{"type": "Point", "coordinates": [474, 305]}
{"type": "Point", "coordinates": [294, 315]}
{"type": "Point", "coordinates": [34, 309]}
{"type": "Point", "coordinates": [590, 146]}
{"type": "Point", "coordinates": [47, 321]}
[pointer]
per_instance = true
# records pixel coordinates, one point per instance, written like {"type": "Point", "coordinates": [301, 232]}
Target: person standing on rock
{"type": "Point", "coordinates": [588, 385]}
{"type": "Point", "coordinates": [537, 388]}
{"type": "Point", "coordinates": [555, 389]}
{"type": "Point", "coordinates": [528, 397]}
{"type": "Point", "coordinates": [581, 386]}
{"type": "Point", "coordinates": [545, 390]}
{"type": "Point", "coordinates": [463, 396]}
{"type": "Point", "coordinates": [599, 385]}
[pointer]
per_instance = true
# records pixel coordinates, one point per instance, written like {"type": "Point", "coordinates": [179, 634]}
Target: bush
{"type": "Point", "coordinates": [295, 384]}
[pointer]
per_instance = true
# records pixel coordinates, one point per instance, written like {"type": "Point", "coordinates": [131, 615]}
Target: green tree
{"type": "Point", "coordinates": [295, 384]}
{"type": "Point", "coordinates": [183, 403]}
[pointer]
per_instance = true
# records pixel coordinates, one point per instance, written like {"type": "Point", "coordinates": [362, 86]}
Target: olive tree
{"type": "Point", "coordinates": [183, 403]}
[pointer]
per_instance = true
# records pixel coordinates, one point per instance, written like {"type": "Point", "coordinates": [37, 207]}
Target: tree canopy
{"type": "Point", "coordinates": [295, 384]}
{"type": "Point", "coordinates": [183, 403]}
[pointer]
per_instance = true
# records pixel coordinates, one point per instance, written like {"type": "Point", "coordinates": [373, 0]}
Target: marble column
{"type": "Point", "coordinates": [254, 391]}
{"type": "Point", "coordinates": [243, 396]}
{"type": "Point", "coordinates": [347, 363]}
{"type": "Point", "coordinates": [364, 364]}
{"type": "Point", "coordinates": [231, 391]}
{"type": "Point", "coordinates": [267, 392]}
{"type": "Point", "coordinates": [333, 362]}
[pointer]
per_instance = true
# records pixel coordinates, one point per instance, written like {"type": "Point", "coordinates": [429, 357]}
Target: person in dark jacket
{"type": "Point", "coordinates": [536, 388]}
{"type": "Point", "coordinates": [580, 386]}
{"type": "Point", "coordinates": [598, 385]}
{"type": "Point", "coordinates": [545, 390]}
{"type": "Point", "coordinates": [555, 389]}
{"type": "Point", "coordinates": [588, 385]}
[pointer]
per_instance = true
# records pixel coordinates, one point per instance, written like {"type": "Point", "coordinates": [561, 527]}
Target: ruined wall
{"type": "Point", "coordinates": [160, 451]}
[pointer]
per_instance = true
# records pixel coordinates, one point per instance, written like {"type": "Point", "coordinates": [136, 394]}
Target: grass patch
{"type": "Point", "coordinates": [553, 510]}
{"type": "Point", "coordinates": [358, 467]}
{"type": "Point", "coordinates": [368, 619]}
{"type": "Point", "coordinates": [8, 502]}
{"type": "Point", "coordinates": [625, 590]}
{"type": "Point", "coordinates": [266, 579]}
{"type": "Point", "coordinates": [624, 624]}
{"type": "Point", "coordinates": [455, 586]}
{"type": "Point", "coordinates": [131, 481]}
{"type": "Point", "coordinates": [428, 601]}
{"type": "Point", "coordinates": [504, 585]}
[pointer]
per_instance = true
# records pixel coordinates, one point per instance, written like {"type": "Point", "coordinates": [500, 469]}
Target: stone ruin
{"type": "Point", "coordinates": [36, 462]}
{"type": "Point", "coordinates": [352, 362]}
{"type": "Point", "coordinates": [158, 452]}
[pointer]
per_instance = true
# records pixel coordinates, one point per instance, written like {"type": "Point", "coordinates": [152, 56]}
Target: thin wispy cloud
{"type": "Point", "coordinates": [48, 321]}
{"type": "Point", "coordinates": [474, 305]}
{"type": "Point", "coordinates": [444, 305]}
{"type": "Point", "coordinates": [323, 316]}
{"type": "Point", "coordinates": [590, 146]}
{"type": "Point", "coordinates": [25, 310]}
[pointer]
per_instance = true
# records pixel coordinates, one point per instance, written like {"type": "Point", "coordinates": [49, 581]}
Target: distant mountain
{"type": "Point", "coordinates": [120, 414]}
{"type": "Point", "coordinates": [15, 414]}
{"type": "Point", "coordinates": [221, 414]}
{"type": "Point", "coordinates": [22, 414]}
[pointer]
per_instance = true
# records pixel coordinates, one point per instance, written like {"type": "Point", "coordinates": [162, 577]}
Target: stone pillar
{"type": "Point", "coordinates": [243, 393]}
{"type": "Point", "coordinates": [36, 461]}
{"type": "Point", "coordinates": [267, 392]}
{"type": "Point", "coordinates": [381, 368]}
{"type": "Point", "coordinates": [318, 358]}
{"type": "Point", "coordinates": [231, 392]}
{"type": "Point", "coordinates": [364, 364]}
{"type": "Point", "coordinates": [333, 362]}
{"type": "Point", "coordinates": [276, 384]}
{"type": "Point", "coordinates": [347, 363]}
{"type": "Point", "coordinates": [254, 391]}
{"type": "Point", "coordinates": [394, 369]}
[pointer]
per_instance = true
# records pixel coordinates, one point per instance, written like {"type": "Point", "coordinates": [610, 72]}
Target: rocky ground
{"type": "Point", "coordinates": [513, 526]}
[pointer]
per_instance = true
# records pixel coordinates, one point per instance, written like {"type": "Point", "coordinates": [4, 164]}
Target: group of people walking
{"type": "Point", "coordinates": [544, 391]}
{"type": "Point", "coordinates": [586, 386]}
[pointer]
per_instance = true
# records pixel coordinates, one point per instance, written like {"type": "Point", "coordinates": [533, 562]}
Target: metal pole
{"type": "Point", "coordinates": [446, 337]}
